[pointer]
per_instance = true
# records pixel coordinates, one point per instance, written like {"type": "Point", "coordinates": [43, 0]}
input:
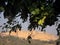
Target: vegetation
{"type": "Point", "coordinates": [41, 12]}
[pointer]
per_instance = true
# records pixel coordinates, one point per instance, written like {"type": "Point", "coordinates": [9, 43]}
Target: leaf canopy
{"type": "Point", "coordinates": [42, 12]}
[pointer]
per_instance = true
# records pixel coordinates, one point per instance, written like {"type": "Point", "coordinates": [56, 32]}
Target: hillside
{"type": "Point", "coordinates": [43, 36]}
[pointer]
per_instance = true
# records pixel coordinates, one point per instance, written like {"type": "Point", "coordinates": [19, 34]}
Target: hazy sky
{"type": "Point", "coordinates": [49, 29]}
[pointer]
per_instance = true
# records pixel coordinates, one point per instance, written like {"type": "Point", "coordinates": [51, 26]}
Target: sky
{"type": "Point", "coordinates": [49, 29]}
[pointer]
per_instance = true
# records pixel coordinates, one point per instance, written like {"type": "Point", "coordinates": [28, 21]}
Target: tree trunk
{"type": "Point", "coordinates": [42, 29]}
{"type": "Point", "coordinates": [58, 32]}
{"type": "Point", "coordinates": [58, 41]}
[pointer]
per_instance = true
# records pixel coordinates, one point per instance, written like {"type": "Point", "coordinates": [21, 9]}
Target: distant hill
{"type": "Point", "coordinates": [36, 35]}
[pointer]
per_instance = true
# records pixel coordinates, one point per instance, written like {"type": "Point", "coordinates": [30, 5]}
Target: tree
{"type": "Point", "coordinates": [42, 12]}
{"type": "Point", "coordinates": [57, 11]}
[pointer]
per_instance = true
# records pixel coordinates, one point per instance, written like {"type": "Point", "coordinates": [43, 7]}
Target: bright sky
{"type": "Point", "coordinates": [49, 29]}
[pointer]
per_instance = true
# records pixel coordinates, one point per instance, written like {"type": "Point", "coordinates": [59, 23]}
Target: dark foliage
{"type": "Point", "coordinates": [36, 8]}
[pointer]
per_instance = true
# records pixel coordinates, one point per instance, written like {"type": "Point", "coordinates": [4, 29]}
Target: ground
{"type": "Point", "coordinates": [11, 40]}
